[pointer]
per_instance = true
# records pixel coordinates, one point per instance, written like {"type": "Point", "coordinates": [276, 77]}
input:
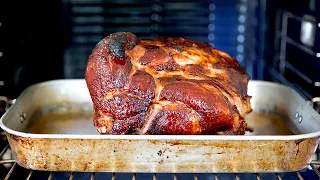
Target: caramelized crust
{"type": "Point", "coordinates": [165, 86]}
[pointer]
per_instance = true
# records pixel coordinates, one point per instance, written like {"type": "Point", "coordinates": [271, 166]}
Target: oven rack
{"type": "Point", "coordinates": [13, 173]}
{"type": "Point", "coordinates": [280, 61]}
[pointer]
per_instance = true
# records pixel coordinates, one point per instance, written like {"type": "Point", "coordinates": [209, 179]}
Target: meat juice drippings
{"type": "Point", "coordinates": [81, 123]}
{"type": "Point", "coordinates": [63, 123]}
{"type": "Point", "coordinates": [266, 124]}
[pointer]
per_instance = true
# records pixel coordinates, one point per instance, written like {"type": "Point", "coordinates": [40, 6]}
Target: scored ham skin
{"type": "Point", "coordinates": [165, 86]}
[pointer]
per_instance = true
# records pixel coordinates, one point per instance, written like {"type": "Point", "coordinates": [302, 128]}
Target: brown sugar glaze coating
{"type": "Point", "coordinates": [165, 86]}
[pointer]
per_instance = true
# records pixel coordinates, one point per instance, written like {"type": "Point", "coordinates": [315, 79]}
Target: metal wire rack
{"type": "Point", "coordinates": [11, 170]}
{"type": "Point", "coordinates": [306, 46]}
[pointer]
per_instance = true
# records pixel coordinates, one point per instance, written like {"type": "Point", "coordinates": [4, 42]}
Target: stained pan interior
{"type": "Point", "coordinates": [66, 120]}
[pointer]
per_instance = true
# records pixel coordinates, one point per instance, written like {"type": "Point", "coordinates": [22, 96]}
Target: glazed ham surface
{"type": "Point", "coordinates": [165, 86]}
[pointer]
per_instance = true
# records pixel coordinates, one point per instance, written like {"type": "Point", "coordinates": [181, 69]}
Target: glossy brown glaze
{"type": "Point", "coordinates": [165, 86]}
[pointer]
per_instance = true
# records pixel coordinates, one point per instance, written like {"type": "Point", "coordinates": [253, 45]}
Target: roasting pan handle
{"type": "Point", "coordinates": [315, 103]}
{"type": "Point", "coordinates": [8, 102]}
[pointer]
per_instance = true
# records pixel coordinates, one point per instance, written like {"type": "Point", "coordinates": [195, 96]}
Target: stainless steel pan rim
{"type": "Point", "coordinates": [163, 137]}
{"type": "Point", "coordinates": [151, 137]}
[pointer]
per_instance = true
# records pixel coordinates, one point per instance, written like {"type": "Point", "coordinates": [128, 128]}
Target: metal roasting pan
{"type": "Point", "coordinates": [50, 127]}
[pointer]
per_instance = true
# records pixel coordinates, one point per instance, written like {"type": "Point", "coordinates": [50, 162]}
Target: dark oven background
{"type": "Point", "coordinates": [52, 40]}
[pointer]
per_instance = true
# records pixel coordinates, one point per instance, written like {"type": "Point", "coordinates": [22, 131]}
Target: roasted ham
{"type": "Point", "coordinates": [165, 86]}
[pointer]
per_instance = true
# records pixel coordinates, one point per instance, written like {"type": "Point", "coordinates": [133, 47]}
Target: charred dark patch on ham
{"type": "Point", "coordinates": [179, 48]}
{"type": "Point", "coordinates": [120, 42]}
{"type": "Point", "coordinates": [117, 48]}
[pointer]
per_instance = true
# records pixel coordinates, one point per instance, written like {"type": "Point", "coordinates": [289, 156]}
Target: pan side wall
{"type": "Point", "coordinates": [108, 155]}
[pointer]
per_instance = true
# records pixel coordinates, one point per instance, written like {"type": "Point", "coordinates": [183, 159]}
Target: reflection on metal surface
{"type": "Point", "coordinates": [299, 176]}
{"type": "Point", "coordinates": [308, 30]}
{"type": "Point", "coordinates": [258, 177]}
{"type": "Point", "coordinates": [315, 169]}
{"type": "Point", "coordinates": [92, 176]}
{"type": "Point", "coordinates": [29, 175]}
{"type": "Point", "coordinates": [71, 176]}
{"type": "Point", "coordinates": [51, 176]}
{"type": "Point", "coordinates": [10, 172]}
{"type": "Point", "coordinates": [300, 119]}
